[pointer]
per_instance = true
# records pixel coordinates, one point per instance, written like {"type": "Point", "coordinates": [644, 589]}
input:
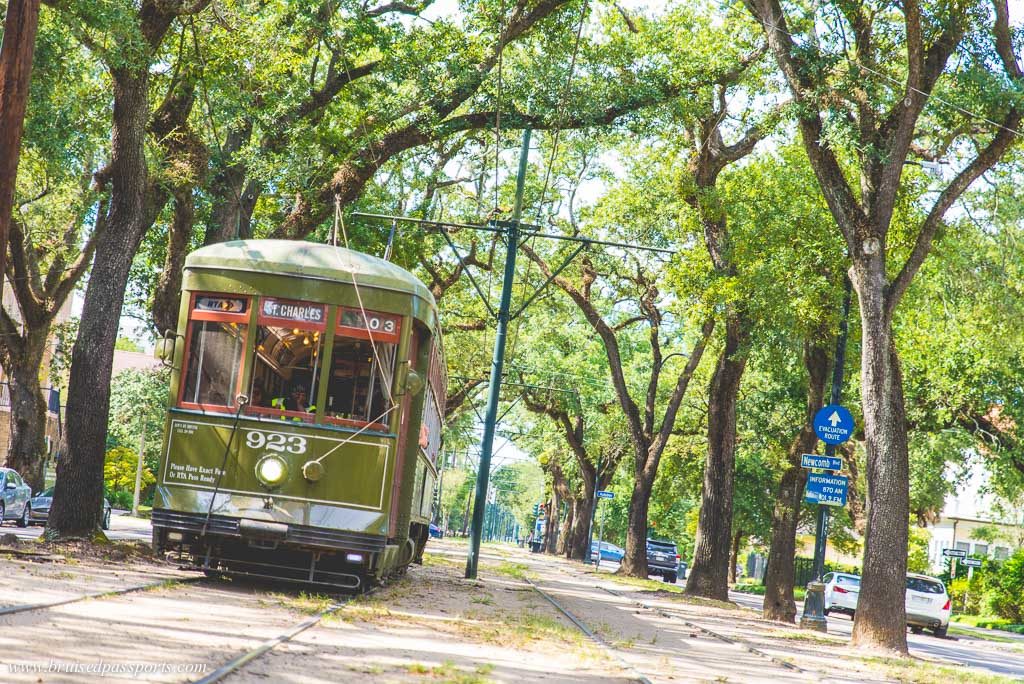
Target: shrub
{"type": "Point", "coordinates": [1006, 588]}
{"type": "Point", "coordinates": [119, 475]}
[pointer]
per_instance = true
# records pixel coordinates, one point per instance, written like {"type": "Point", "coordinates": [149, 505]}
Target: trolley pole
{"type": "Point", "coordinates": [494, 389]}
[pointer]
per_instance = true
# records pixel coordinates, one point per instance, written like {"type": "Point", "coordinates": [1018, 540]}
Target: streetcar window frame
{"type": "Point", "coordinates": [378, 328]}
{"type": "Point", "coordinates": [203, 316]}
{"type": "Point", "coordinates": [312, 327]}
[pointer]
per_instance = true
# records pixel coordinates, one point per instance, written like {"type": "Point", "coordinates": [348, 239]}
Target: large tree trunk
{"type": "Point", "coordinates": [881, 614]}
{"type": "Point", "coordinates": [16, 52]}
{"type": "Point", "coordinates": [634, 562]}
{"type": "Point", "coordinates": [580, 544]}
{"type": "Point", "coordinates": [27, 451]}
{"type": "Point", "coordinates": [167, 297]}
{"type": "Point", "coordinates": [78, 497]}
{"type": "Point", "coordinates": [551, 528]}
{"type": "Point", "coordinates": [779, 603]}
{"type": "Point", "coordinates": [710, 574]}
{"type": "Point", "coordinates": [568, 526]}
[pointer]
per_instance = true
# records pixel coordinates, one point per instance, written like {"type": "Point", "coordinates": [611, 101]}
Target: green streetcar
{"type": "Point", "coordinates": [304, 418]}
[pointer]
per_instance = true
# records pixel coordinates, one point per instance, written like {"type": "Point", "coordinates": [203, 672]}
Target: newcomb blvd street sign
{"type": "Point", "coordinates": [814, 461]}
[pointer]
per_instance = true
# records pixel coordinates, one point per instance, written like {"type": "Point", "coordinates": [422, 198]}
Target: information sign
{"type": "Point", "coordinates": [828, 490]}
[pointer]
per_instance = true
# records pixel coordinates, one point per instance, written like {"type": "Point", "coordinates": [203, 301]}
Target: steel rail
{"type": "Point", "coordinates": [13, 610]}
{"type": "Point", "coordinates": [721, 637]}
{"type": "Point", "coordinates": [265, 647]}
{"type": "Point", "coordinates": [635, 675]}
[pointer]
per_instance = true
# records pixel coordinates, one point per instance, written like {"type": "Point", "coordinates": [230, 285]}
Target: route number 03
{"type": "Point", "coordinates": [275, 441]}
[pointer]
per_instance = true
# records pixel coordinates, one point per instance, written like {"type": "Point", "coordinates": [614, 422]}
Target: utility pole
{"type": "Point", "coordinates": [498, 361]}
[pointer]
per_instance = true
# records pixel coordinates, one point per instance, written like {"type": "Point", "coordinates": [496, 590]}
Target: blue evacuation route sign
{"type": "Point", "coordinates": [833, 424]}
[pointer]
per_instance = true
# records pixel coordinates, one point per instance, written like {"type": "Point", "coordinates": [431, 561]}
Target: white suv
{"type": "Point", "coordinates": [928, 605]}
{"type": "Point", "coordinates": [841, 592]}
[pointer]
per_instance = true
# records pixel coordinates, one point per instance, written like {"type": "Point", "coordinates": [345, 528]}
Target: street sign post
{"type": "Point", "coordinates": [817, 462]}
{"type": "Point", "coordinates": [604, 494]}
{"type": "Point", "coordinates": [972, 562]}
{"type": "Point", "coordinates": [601, 494]}
{"type": "Point", "coordinates": [833, 424]}
{"type": "Point", "coordinates": [828, 490]}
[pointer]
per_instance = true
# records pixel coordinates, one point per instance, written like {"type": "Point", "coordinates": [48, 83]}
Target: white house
{"type": "Point", "coordinates": [977, 522]}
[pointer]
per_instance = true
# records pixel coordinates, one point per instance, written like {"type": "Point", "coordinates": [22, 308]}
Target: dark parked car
{"type": "Point", "coordinates": [435, 531]}
{"type": "Point", "coordinates": [663, 559]}
{"type": "Point", "coordinates": [14, 498]}
{"type": "Point", "coordinates": [41, 509]}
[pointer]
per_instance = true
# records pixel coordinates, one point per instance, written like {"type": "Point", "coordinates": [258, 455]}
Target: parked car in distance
{"type": "Point", "coordinates": [841, 593]}
{"type": "Point", "coordinates": [609, 552]}
{"type": "Point", "coordinates": [928, 605]}
{"type": "Point", "coordinates": [435, 531]}
{"type": "Point", "coordinates": [663, 559]}
{"type": "Point", "coordinates": [41, 509]}
{"type": "Point", "coordinates": [14, 498]}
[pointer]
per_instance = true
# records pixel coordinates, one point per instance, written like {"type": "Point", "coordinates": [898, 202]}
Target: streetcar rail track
{"type": "Point", "coordinates": [29, 607]}
{"type": "Point", "coordinates": [634, 674]}
{"type": "Point", "coordinates": [237, 663]}
{"type": "Point", "coordinates": [704, 630]}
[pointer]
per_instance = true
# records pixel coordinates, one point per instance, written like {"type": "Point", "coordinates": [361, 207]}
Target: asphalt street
{"type": "Point", "coordinates": [1006, 659]}
{"type": "Point", "coordinates": [123, 527]}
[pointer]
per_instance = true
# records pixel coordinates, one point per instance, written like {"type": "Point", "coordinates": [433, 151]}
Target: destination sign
{"type": "Point", "coordinates": [972, 562]}
{"type": "Point", "coordinates": [828, 490]}
{"type": "Point", "coordinates": [378, 324]}
{"type": "Point", "coordinates": [954, 553]}
{"type": "Point", "coordinates": [821, 462]}
{"type": "Point", "coordinates": [221, 304]}
{"type": "Point", "coordinates": [294, 312]}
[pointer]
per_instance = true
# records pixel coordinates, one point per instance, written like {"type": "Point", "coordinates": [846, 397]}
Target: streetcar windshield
{"type": "Point", "coordinates": [287, 360]}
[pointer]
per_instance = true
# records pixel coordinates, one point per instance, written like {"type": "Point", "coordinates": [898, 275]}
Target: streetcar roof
{"type": "Point", "coordinates": [309, 260]}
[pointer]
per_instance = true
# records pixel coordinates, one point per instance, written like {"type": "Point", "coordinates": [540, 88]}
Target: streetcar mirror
{"type": "Point", "coordinates": [413, 383]}
{"type": "Point", "coordinates": [165, 348]}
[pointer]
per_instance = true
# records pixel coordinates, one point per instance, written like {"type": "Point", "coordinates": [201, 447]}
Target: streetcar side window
{"type": "Point", "coordinates": [216, 346]}
{"type": "Point", "coordinates": [362, 368]}
{"type": "Point", "coordinates": [289, 349]}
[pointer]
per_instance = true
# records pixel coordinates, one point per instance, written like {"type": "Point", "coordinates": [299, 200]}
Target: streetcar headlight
{"type": "Point", "coordinates": [271, 471]}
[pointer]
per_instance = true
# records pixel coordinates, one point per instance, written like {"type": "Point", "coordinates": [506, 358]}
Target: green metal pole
{"type": "Point", "coordinates": [494, 389]}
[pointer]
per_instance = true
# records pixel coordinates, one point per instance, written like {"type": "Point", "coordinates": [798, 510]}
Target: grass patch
{"type": "Point", "coordinates": [802, 635]}
{"type": "Point", "coordinates": [436, 560]}
{"type": "Point", "coordinates": [989, 622]}
{"type": "Point", "coordinates": [799, 593]}
{"type": "Point", "coordinates": [920, 672]}
{"type": "Point", "coordinates": [450, 673]}
{"type": "Point", "coordinates": [364, 610]}
{"type": "Point", "coordinates": [518, 571]}
{"type": "Point", "coordinates": [309, 604]}
{"type": "Point", "coordinates": [983, 636]}
{"type": "Point", "coordinates": [673, 592]}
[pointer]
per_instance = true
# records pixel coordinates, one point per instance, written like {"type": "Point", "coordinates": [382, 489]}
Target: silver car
{"type": "Point", "coordinates": [14, 498]}
{"type": "Point", "coordinates": [41, 509]}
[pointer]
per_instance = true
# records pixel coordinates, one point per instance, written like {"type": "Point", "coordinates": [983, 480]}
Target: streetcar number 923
{"type": "Point", "coordinates": [275, 441]}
